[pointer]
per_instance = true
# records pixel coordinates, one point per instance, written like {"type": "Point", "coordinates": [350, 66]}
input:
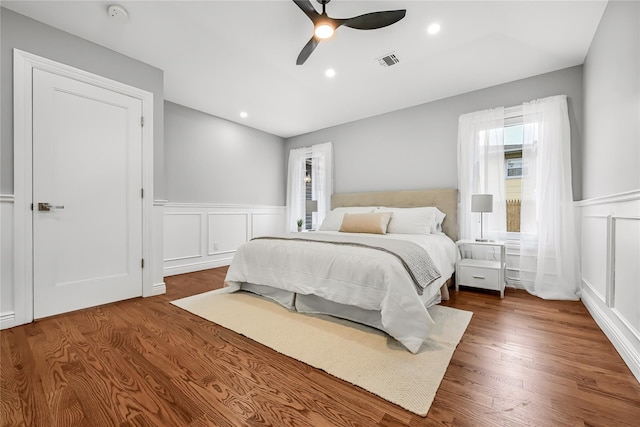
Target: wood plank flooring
{"type": "Point", "coordinates": [144, 362]}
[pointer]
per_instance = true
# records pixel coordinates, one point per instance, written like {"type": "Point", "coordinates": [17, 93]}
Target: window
{"type": "Point", "coordinates": [310, 205]}
{"type": "Point", "coordinates": [309, 185]}
{"type": "Point", "coordinates": [513, 170]}
{"type": "Point", "coordinates": [534, 155]}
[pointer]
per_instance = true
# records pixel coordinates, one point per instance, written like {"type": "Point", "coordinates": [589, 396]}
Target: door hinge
{"type": "Point", "coordinates": [142, 262]}
{"type": "Point", "coordinates": [142, 193]}
{"type": "Point", "coordinates": [142, 121]}
{"type": "Point", "coordinates": [31, 206]}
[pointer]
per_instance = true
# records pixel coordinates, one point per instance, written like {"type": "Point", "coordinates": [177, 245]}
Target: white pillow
{"type": "Point", "coordinates": [333, 220]}
{"type": "Point", "coordinates": [439, 215]}
{"type": "Point", "coordinates": [410, 220]}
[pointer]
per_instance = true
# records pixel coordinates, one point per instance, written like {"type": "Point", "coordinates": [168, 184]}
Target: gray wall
{"type": "Point", "coordinates": [416, 147]}
{"type": "Point", "coordinates": [611, 152]}
{"type": "Point", "coordinates": [212, 160]}
{"type": "Point", "coordinates": [18, 31]}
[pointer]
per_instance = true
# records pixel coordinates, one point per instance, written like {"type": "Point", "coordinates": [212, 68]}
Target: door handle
{"type": "Point", "coordinates": [46, 207]}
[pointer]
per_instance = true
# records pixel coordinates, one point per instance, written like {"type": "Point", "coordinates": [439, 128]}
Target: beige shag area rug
{"type": "Point", "coordinates": [355, 353]}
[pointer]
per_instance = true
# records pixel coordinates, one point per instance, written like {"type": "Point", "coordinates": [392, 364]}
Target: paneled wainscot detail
{"type": "Point", "coordinates": [610, 269]}
{"type": "Point", "coordinates": [201, 236]}
{"type": "Point", "coordinates": [7, 287]}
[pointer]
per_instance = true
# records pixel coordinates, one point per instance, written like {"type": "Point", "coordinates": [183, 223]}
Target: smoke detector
{"type": "Point", "coordinates": [117, 12]}
{"type": "Point", "coordinates": [388, 59]}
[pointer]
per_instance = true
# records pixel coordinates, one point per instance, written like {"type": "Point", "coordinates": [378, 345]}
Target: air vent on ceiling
{"type": "Point", "coordinates": [388, 59]}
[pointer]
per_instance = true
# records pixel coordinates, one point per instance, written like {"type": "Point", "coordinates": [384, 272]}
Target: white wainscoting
{"type": "Point", "coordinates": [610, 253]}
{"type": "Point", "coordinates": [7, 289]}
{"type": "Point", "coordinates": [10, 303]}
{"type": "Point", "coordinates": [199, 236]}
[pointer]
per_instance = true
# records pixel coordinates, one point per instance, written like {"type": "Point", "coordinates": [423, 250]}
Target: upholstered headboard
{"type": "Point", "coordinates": [444, 199]}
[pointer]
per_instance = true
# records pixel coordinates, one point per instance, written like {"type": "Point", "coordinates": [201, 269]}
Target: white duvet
{"type": "Point", "coordinates": [355, 276]}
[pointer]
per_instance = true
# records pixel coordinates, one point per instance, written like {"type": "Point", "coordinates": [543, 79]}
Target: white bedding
{"type": "Point", "coordinates": [354, 276]}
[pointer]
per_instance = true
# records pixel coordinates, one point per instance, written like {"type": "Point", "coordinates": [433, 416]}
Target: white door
{"type": "Point", "coordinates": [87, 206]}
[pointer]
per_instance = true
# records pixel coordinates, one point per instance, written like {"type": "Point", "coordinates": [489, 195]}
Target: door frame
{"type": "Point", "coordinates": [23, 65]}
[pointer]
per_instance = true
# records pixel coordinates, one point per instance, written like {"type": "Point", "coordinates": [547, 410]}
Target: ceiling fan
{"type": "Point", "coordinates": [325, 26]}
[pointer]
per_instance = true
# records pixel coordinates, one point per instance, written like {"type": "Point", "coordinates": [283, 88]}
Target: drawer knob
{"type": "Point", "coordinates": [478, 277]}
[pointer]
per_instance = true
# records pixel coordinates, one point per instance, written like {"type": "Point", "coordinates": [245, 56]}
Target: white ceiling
{"type": "Point", "coordinates": [224, 57]}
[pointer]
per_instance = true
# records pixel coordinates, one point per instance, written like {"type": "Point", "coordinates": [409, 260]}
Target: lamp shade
{"type": "Point", "coordinates": [482, 203]}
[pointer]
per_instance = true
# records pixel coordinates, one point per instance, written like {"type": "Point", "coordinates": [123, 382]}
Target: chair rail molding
{"type": "Point", "coordinates": [609, 228]}
{"type": "Point", "coordinates": [200, 236]}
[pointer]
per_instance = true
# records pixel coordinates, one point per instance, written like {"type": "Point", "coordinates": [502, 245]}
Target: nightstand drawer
{"type": "Point", "coordinates": [475, 275]}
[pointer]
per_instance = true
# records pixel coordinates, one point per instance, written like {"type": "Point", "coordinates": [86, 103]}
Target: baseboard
{"type": "Point", "coordinates": [626, 350]}
{"type": "Point", "coordinates": [159, 289]}
{"type": "Point", "coordinates": [190, 268]}
{"type": "Point", "coordinates": [7, 320]}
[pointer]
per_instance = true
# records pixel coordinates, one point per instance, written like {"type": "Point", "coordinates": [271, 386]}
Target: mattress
{"type": "Point", "coordinates": [361, 284]}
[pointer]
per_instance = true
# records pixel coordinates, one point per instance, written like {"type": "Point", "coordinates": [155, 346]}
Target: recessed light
{"type": "Point", "coordinates": [433, 28]}
{"type": "Point", "coordinates": [244, 114]}
{"type": "Point", "coordinates": [330, 72]}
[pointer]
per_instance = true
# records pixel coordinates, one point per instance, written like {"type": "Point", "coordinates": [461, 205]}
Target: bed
{"type": "Point", "coordinates": [384, 280]}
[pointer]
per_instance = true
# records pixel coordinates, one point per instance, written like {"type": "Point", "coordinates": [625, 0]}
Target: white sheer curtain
{"type": "Point", "coordinates": [321, 180]}
{"type": "Point", "coordinates": [481, 171]}
{"type": "Point", "coordinates": [295, 187]}
{"type": "Point", "coordinates": [321, 156]}
{"type": "Point", "coordinates": [549, 266]}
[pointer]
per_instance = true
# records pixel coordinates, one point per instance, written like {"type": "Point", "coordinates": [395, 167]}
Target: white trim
{"type": "Point", "coordinates": [7, 198]}
{"type": "Point", "coordinates": [626, 323]}
{"type": "Point", "coordinates": [610, 262]}
{"type": "Point", "coordinates": [219, 206]}
{"type": "Point", "coordinates": [23, 65]}
{"type": "Point", "coordinates": [160, 202]}
{"type": "Point", "coordinates": [621, 344]}
{"type": "Point", "coordinates": [515, 111]}
{"type": "Point", "coordinates": [247, 229]}
{"type": "Point", "coordinates": [201, 228]}
{"type": "Point", "coordinates": [159, 288]}
{"type": "Point", "coordinates": [189, 268]}
{"type": "Point", "coordinates": [593, 290]}
{"type": "Point", "coordinates": [182, 257]}
{"type": "Point", "coordinates": [7, 320]}
{"type": "Point", "coordinates": [613, 198]}
{"type": "Point", "coordinates": [211, 258]}
{"type": "Point", "coordinates": [611, 276]}
{"type": "Point", "coordinates": [228, 251]}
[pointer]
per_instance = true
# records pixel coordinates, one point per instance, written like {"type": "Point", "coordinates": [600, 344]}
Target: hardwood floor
{"type": "Point", "coordinates": [144, 362]}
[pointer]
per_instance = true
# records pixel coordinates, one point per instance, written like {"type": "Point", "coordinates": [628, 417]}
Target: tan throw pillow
{"type": "Point", "coordinates": [374, 223]}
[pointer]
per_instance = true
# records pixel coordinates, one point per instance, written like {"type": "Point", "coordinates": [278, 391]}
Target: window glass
{"type": "Point", "coordinates": [513, 140]}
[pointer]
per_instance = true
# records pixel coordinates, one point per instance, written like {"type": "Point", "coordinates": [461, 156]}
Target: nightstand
{"type": "Point", "coordinates": [480, 273]}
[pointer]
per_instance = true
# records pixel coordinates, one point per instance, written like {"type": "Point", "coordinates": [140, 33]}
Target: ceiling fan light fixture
{"type": "Point", "coordinates": [324, 30]}
{"type": "Point", "coordinates": [324, 26]}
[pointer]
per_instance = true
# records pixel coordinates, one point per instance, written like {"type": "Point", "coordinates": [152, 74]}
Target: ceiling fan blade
{"type": "Point", "coordinates": [308, 9]}
{"type": "Point", "coordinates": [307, 49]}
{"type": "Point", "coordinates": [371, 21]}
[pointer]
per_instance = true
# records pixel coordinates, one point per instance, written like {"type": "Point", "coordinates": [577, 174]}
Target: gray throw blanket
{"type": "Point", "coordinates": [413, 257]}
